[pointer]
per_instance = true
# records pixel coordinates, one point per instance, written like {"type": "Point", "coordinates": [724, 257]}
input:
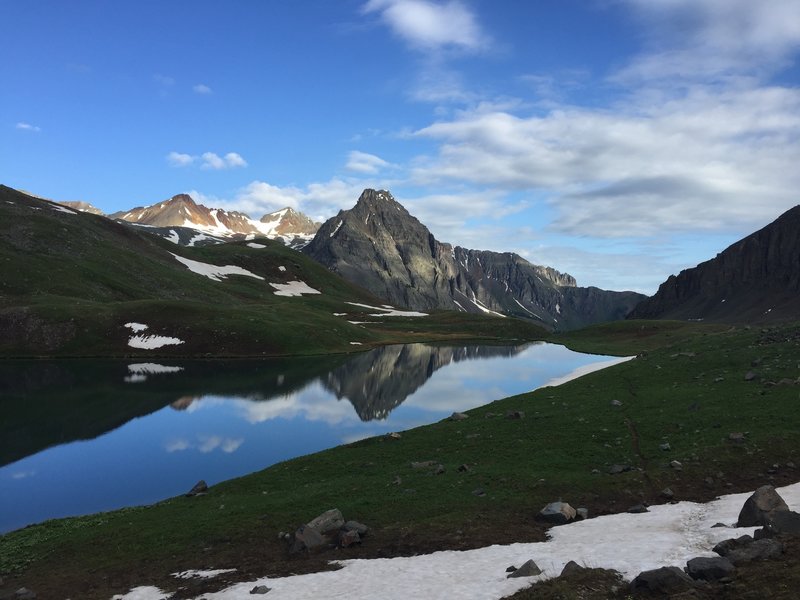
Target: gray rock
{"type": "Point", "coordinates": [24, 594]}
{"type": "Point", "coordinates": [759, 507]}
{"type": "Point", "coordinates": [528, 569]}
{"type": "Point", "coordinates": [617, 469]}
{"type": "Point", "coordinates": [709, 568]}
{"type": "Point", "coordinates": [667, 494]}
{"type": "Point", "coordinates": [511, 569]}
{"type": "Point", "coordinates": [665, 447]}
{"type": "Point", "coordinates": [758, 550]}
{"type": "Point", "coordinates": [199, 489]}
{"type": "Point", "coordinates": [359, 528]}
{"type": "Point", "coordinates": [515, 414]}
{"type": "Point", "coordinates": [330, 520]}
{"type": "Point", "coordinates": [557, 513]}
{"type": "Point", "coordinates": [458, 416]}
{"type": "Point", "coordinates": [581, 513]}
{"type": "Point", "coordinates": [463, 468]}
{"type": "Point", "coordinates": [725, 547]}
{"type": "Point", "coordinates": [348, 537]}
{"type": "Point", "coordinates": [638, 508]}
{"type": "Point", "coordinates": [305, 539]}
{"type": "Point", "coordinates": [666, 580]}
{"type": "Point", "coordinates": [616, 403]}
{"type": "Point", "coordinates": [571, 568]}
{"type": "Point", "coordinates": [736, 437]}
{"type": "Point", "coordinates": [784, 522]}
{"type": "Point", "coordinates": [393, 436]}
{"type": "Point", "coordinates": [750, 376]}
{"type": "Point", "coordinates": [677, 465]}
{"type": "Point", "coordinates": [440, 470]}
{"type": "Point", "coordinates": [260, 589]}
{"type": "Point", "coordinates": [480, 492]}
{"type": "Point", "coordinates": [424, 464]}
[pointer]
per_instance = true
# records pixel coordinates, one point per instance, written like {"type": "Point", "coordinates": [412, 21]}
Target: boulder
{"type": "Point", "coordinates": [359, 528]}
{"type": "Point", "coordinates": [726, 546]}
{"type": "Point", "coordinates": [24, 594]}
{"type": "Point", "coordinates": [260, 589]}
{"type": "Point", "coordinates": [571, 568]}
{"type": "Point", "coordinates": [638, 508]}
{"type": "Point", "coordinates": [758, 550]}
{"type": "Point", "coordinates": [528, 569]}
{"type": "Point", "coordinates": [348, 537]}
{"type": "Point", "coordinates": [617, 469]}
{"type": "Point", "coordinates": [330, 520]}
{"type": "Point", "coordinates": [515, 414]}
{"type": "Point", "coordinates": [305, 539]}
{"type": "Point", "coordinates": [459, 416]}
{"type": "Point", "coordinates": [581, 514]}
{"type": "Point", "coordinates": [666, 580]}
{"type": "Point", "coordinates": [784, 521]}
{"type": "Point", "coordinates": [199, 489]}
{"type": "Point", "coordinates": [759, 507]}
{"type": "Point", "coordinates": [709, 568]}
{"type": "Point", "coordinates": [557, 513]}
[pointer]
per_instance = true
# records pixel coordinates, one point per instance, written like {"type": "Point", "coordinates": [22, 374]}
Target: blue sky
{"type": "Point", "coordinates": [617, 140]}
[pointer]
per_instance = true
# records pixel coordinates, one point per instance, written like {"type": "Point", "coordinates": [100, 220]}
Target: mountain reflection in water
{"type": "Point", "coordinates": [109, 434]}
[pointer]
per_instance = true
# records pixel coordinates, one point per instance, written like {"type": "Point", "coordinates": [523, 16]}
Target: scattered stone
{"type": "Point", "coordinates": [665, 447]}
{"type": "Point", "coordinates": [424, 464]}
{"type": "Point", "coordinates": [515, 414]}
{"type": "Point", "coordinates": [581, 514]}
{"type": "Point", "coordinates": [458, 416]}
{"type": "Point", "coordinates": [595, 471]}
{"type": "Point", "coordinates": [511, 569]}
{"type": "Point", "coordinates": [667, 494]}
{"type": "Point", "coordinates": [617, 469]}
{"type": "Point", "coordinates": [393, 436]}
{"type": "Point", "coordinates": [397, 480]}
{"type": "Point", "coordinates": [260, 589]}
{"type": "Point", "coordinates": [24, 594]}
{"type": "Point", "coordinates": [330, 520]}
{"type": "Point", "coordinates": [571, 568]}
{"type": "Point", "coordinates": [616, 403]}
{"type": "Point", "coordinates": [199, 489]}
{"type": "Point", "coordinates": [750, 376]}
{"type": "Point", "coordinates": [348, 537]}
{"type": "Point", "coordinates": [709, 568]}
{"type": "Point", "coordinates": [784, 522]}
{"type": "Point", "coordinates": [528, 569]}
{"type": "Point", "coordinates": [305, 539]}
{"type": "Point", "coordinates": [677, 465]}
{"type": "Point", "coordinates": [440, 470]}
{"type": "Point", "coordinates": [725, 547]}
{"type": "Point", "coordinates": [557, 513]}
{"type": "Point", "coordinates": [719, 379]}
{"type": "Point", "coordinates": [638, 508]}
{"type": "Point", "coordinates": [359, 528]}
{"type": "Point", "coordinates": [463, 468]}
{"type": "Point", "coordinates": [757, 550]}
{"type": "Point", "coordinates": [480, 492]}
{"type": "Point", "coordinates": [759, 507]}
{"type": "Point", "coordinates": [666, 580]}
{"type": "Point", "coordinates": [736, 437]}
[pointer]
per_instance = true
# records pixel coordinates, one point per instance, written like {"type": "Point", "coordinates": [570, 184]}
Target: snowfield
{"type": "Point", "coordinates": [389, 311]}
{"type": "Point", "coordinates": [255, 245]}
{"type": "Point", "coordinates": [668, 535]}
{"type": "Point", "coordinates": [293, 288]}
{"type": "Point", "coordinates": [215, 272]}
{"type": "Point", "coordinates": [151, 342]}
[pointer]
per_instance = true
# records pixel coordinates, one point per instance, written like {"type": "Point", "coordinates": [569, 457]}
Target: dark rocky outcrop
{"type": "Point", "coordinates": [709, 568]}
{"type": "Point", "coordinates": [557, 513]}
{"type": "Point", "coordinates": [755, 279]}
{"type": "Point", "coordinates": [381, 247]}
{"type": "Point", "coordinates": [666, 580]}
{"type": "Point", "coordinates": [759, 507]}
{"type": "Point", "coordinates": [528, 569]}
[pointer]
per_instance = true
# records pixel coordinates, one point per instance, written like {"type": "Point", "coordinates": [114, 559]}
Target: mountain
{"type": "Point", "coordinates": [82, 207]}
{"type": "Point", "coordinates": [379, 246]}
{"type": "Point", "coordinates": [286, 225]}
{"type": "Point", "coordinates": [755, 279]}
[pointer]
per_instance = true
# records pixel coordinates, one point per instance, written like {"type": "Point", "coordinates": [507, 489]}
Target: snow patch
{"type": "Point", "coordinates": [526, 310]}
{"type": "Point", "coordinates": [558, 308]}
{"type": "Point", "coordinates": [355, 343]}
{"type": "Point", "coordinates": [586, 369]}
{"type": "Point", "coordinates": [150, 342]}
{"type": "Point", "coordinates": [282, 269]}
{"type": "Point", "coordinates": [195, 573]}
{"type": "Point", "coordinates": [136, 327]}
{"type": "Point", "coordinates": [145, 592]}
{"type": "Point", "coordinates": [389, 312]}
{"type": "Point", "coordinates": [215, 272]}
{"type": "Point", "coordinates": [152, 368]}
{"type": "Point", "coordinates": [63, 209]}
{"type": "Point", "coordinates": [293, 288]}
{"type": "Point", "coordinates": [338, 225]}
{"type": "Point", "coordinates": [254, 245]}
{"type": "Point", "coordinates": [173, 237]}
{"type": "Point", "coordinates": [201, 237]}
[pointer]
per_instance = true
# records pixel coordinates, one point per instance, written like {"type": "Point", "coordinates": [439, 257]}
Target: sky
{"type": "Point", "coordinates": [617, 140]}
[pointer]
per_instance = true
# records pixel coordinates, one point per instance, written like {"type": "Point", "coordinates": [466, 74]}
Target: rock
{"type": "Point", "coordinates": [480, 492]}
{"type": "Point", "coordinates": [557, 513]}
{"type": "Point", "coordinates": [330, 520]}
{"type": "Point", "coordinates": [24, 594]}
{"type": "Point", "coordinates": [424, 464]}
{"type": "Point", "coordinates": [463, 468]}
{"type": "Point", "coordinates": [528, 569]}
{"type": "Point", "coordinates": [666, 580]}
{"type": "Point", "coordinates": [760, 534]}
{"type": "Point", "coordinates": [759, 507]}
{"type": "Point", "coordinates": [717, 525]}
{"type": "Point", "coordinates": [359, 528]}
{"type": "Point", "coordinates": [784, 521]}
{"type": "Point", "coordinates": [736, 437]}
{"type": "Point", "coordinates": [511, 569]}
{"type": "Point", "coordinates": [581, 514]}
{"type": "Point", "coordinates": [667, 494]}
{"type": "Point", "coordinates": [393, 436]}
{"type": "Point", "coordinates": [678, 466]}
{"type": "Point", "coordinates": [260, 589]}
{"type": "Point", "coordinates": [571, 568]}
{"type": "Point", "coordinates": [638, 508]}
{"type": "Point", "coordinates": [616, 403]}
{"type": "Point", "coordinates": [305, 539]}
{"type": "Point", "coordinates": [709, 568]}
{"type": "Point", "coordinates": [515, 414]}
{"type": "Point", "coordinates": [750, 376]}
{"type": "Point", "coordinates": [199, 489]}
{"type": "Point", "coordinates": [726, 546]}
{"type": "Point", "coordinates": [665, 447]}
{"type": "Point", "coordinates": [348, 537]}
{"type": "Point", "coordinates": [617, 469]}
{"type": "Point", "coordinates": [397, 480]}
{"type": "Point", "coordinates": [757, 550]}
{"type": "Point", "coordinates": [458, 416]}
{"type": "Point", "coordinates": [440, 470]}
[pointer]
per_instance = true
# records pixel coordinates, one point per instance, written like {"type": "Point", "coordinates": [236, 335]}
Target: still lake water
{"type": "Point", "coordinates": [87, 436]}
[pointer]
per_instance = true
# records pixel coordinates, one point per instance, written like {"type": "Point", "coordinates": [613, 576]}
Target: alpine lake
{"type": "Point", "coordinates": [85, 436]}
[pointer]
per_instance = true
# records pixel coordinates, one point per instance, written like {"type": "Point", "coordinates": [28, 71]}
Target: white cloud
{"type": "Point", "coordinates": [201, 88]}
{"type": "Point", "coordinates": [230, 161]}
{"type": "Point", "coordinates": [164, 80]}
{"type": "Point", "coordinates": [361, 162]}
{"type": "Point", "coordinates": [27, 127]}
{"type": "Point", "coordinates": [428, 25]}
{"type": "Point", "coordinates": [177, 159]}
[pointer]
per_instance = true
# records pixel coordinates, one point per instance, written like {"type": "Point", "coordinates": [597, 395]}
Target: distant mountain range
{"type": "Point", "coordinates": [756, 279]}
{"type": "Point", "coordinates": [379, 246]}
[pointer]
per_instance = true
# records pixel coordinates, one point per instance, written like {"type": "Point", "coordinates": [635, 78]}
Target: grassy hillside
{"type": "Point", "coordinates": [71, 281]}
{"type": "Point", "coordinates": [687, 388]}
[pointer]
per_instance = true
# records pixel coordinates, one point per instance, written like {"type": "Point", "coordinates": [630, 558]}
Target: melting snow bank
{"type": "Point", "coordinates": [293, 288]}
{"type": "Point", "coordinates": [389, 311]}
{"type": "Point", "coordinates": [215, 272]}
{"type": "Point", "coordinates": [586, 369]}
{"type": "Point", "coordinates": [194, 573]}
{"type": "Point", "coordinates": [668, 535]}
{"type": "Point", "coordinates": [149, 342]}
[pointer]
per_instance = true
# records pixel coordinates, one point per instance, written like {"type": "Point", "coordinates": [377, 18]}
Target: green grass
{"type": "Point", "coordinates": [690, 392]}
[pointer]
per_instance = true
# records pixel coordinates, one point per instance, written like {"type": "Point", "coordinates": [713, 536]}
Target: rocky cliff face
{"type": "Point", "coordinates": [381, 247]}
{"type": "Point", "coordinates": [755, 279]}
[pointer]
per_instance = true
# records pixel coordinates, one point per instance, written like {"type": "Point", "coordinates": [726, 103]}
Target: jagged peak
{"type": "Point", "coordinates": [184, 198]}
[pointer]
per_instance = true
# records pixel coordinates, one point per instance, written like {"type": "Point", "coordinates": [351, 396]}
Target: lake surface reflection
{"type": "Point", "coordinates": [88, 436]}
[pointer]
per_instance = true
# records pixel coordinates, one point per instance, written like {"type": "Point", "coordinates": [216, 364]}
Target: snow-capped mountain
{"type": "Point", "coordinates": [286, 225]}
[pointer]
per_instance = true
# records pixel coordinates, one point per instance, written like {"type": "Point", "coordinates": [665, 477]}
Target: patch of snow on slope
{"type": "Point", "coordinates": [136, 327]}
{"type": "Point", "coordinates": [293, 288]}
{"type": "Point", "coordinates": [152, 368]}
{"type": "Point", "coordinates": [390, 312]}
{"type": "Point", "coordinates": [200, 237]}
{"type": "Point", "coordinates": [194, 573]}
{"type": "Point", "coordinates": [281, 268]}
{"type": "Point", "coordinates": [668, 535]}
{"type": "Point", "coordinates": [173, 237]}
{"type": "Point", "coordinates": [254, 245]}
{"type": "Point", "coordinates": [586, 369]}
{"type": "Point", "coordinates": [215, 272]}
{"type": "Point", "coordinates": [338, 225]}
{"type": "Point", "coordinates": [63, 209]}
{"type": "Point", "coordinates": [355, 343]}
{"type": "Point", "coordinates": [144, 592]}
{"type": "Point", "coordinates": [558, 308]}
{"type": "Point", "coordinates": [150, 342]}
{"type": "Point", "coordinates": [526, 310]}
